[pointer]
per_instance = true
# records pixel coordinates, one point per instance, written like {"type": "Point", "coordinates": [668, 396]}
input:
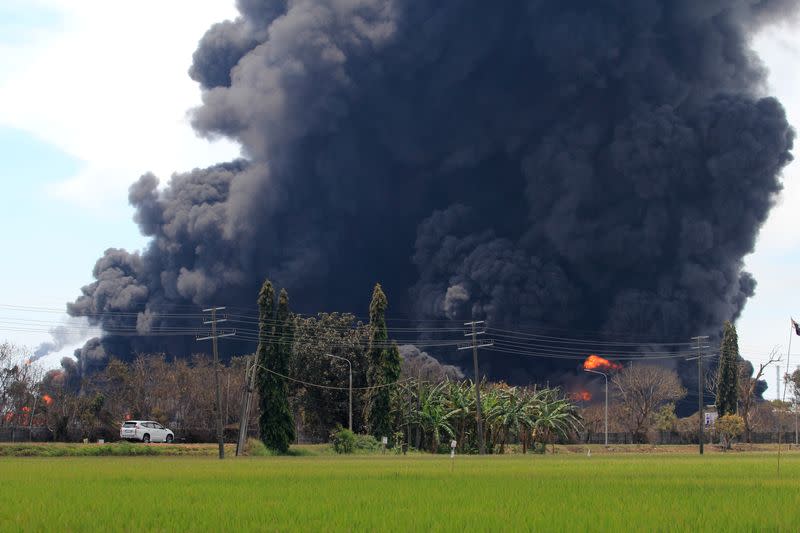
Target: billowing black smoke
{"type": "Point", "coordinates": [597, 165]}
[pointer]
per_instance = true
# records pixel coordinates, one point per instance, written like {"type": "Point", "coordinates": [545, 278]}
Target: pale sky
{"type": "Point", "coordinates": [92, 95]}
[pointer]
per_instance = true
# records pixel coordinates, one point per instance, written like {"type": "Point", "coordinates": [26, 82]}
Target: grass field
{"type": "Point", "coordinates": [733, 492]}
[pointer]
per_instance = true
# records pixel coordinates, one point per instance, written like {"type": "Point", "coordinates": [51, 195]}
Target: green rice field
{"type": "Point", "coordinates": [625, 492]}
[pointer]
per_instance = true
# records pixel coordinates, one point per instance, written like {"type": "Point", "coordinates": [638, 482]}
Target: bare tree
{"type": "Point", "coordinates": [642, 390]}
{"type": "Point", "coordinates": [10, 366]}
{"type": "Point", "coordinates": [19, 386]}
{"type": "Point", "coordinates": [747, 388]}
{"type": "Point", "coordinates": [711, 383]}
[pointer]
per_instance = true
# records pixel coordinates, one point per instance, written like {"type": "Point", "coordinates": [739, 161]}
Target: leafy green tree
{"type": "Point", "coordinates": [512, 413]}
{"type": "Point", "coordinates": [728, 372]}
{"type": "Point", "coordinates": [384, 367]}
{"type": "Point", "coordinates": [343, 440]}
{"type": "Point", "coordinates": [665, 418]}
{"type": "Point", "coordinates": [434, 414]}
{"type": "Point", "coordinates": [277, 423]}
{"type": "Point", "coordinates": [729, 427]}
{"type": "Point", "coordinates": [554, 417]}
{"type": "Point", "coordinates": [318, 410]}
{"type": "Point", "coordinates": [462, 402]}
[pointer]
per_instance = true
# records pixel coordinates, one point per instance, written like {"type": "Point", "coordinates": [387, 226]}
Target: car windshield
{"type": "Point", "coordinates": [129, 424]}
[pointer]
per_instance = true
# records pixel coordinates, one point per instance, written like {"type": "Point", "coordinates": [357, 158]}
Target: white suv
{"type": "Point", "coordinates": [145, 431]}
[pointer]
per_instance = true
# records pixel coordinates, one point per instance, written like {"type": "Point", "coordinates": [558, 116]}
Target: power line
{"type": "Point", "coordinates": [330, 387]}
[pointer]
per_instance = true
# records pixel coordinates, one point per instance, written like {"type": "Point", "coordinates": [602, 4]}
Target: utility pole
{"type": "Point", "coordinates": [218, 394]}
{"type": "Point", "coordinates": [474, 347]}
{"type": "Point", "coordinates": [249, 387]}
{"type": "Point", "coordinates": [227, 396]}
{"type": "Point", "coordinates": [700, 388]}
{"type": "Point", "coordinates": [779, 401]}
{"type": "Point", "coordinates": [418, 429]}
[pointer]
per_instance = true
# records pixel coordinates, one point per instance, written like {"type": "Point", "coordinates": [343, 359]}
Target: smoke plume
{"type": "Point", "coordinates": [420, 365]}
{"type": "Point", "coordinates": [71, 332]}
{"type": "Point", "coordinates": [603, 166]}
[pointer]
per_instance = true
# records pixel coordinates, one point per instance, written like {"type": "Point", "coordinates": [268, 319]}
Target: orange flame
{"type": "Point", "coordinates": [47, 399]}
{"type": "Point", "coordinates": [594, 362]}
{"type": "Point", "coordinates": [581, 396]}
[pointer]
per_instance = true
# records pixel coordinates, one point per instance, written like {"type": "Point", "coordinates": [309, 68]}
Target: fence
{"type": "Point", "coordinates": [25, 434]}
{"type": "Point", "coordinates": [209, 435]}
{"type": "Point", "coordinates": [184, 435]}
{"type": "Point", "coordinates": [675, 438]}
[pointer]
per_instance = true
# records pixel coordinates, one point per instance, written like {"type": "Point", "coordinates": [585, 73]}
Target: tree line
{"type": "Point", "coordinates": [400, 392]}
{"type": "Point", "coordinates": [643, 398]}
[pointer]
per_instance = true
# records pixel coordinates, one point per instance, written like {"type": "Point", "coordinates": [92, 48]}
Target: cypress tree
{"type": "Point", "coordinates": [728, 372]}
{"type": "Point", "coordinates": [266, 317]}
{"type": "Point", "coordinates": [393, 364]}
{"type": "Point", "coordinates": [277, 424]}
{"type": "Point", "coordinates": [378, 354]}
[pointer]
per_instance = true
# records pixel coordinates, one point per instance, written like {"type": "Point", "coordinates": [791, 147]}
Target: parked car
{"type": "Point", "coordinates": [145, 431]}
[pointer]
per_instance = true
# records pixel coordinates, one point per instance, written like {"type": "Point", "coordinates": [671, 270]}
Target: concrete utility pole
{"type": "Point", "coordinates": [700, 388]}
{"type": "Point", "coordinates": [227, 396]}
{"type": "Point", "coordinates": [350, 408]}
{"type": "Point", "coordinates": [218, 394]}
{"type": "Point", "coordinates": [606, 413]}
{"type": "Point", "coordinates": [418, 429]}
{"type": "Point", "coordinates": [249, 387]}
{"type": "Point", "coordinates": [474, 347]}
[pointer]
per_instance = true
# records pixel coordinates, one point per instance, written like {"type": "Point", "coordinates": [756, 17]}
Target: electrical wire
{"type": "Point", "coordinates": [309, 384]}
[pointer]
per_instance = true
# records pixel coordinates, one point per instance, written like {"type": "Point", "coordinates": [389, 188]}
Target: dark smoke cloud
{"type": "Point", "coordinates": [601, 165]}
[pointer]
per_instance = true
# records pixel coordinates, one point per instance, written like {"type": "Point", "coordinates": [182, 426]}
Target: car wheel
{"type": "Point", "coordinates": [146, 438]}
{"type": "Point", "coordinates": [169, 439]}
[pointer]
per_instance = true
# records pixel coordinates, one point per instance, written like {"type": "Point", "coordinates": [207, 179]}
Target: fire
{"type": "Point", "coordinates": [594, 362]}
{"type": "Point", "coordinates": [581, 396]}
{"type": "Point", "coordinates": [47, 399]}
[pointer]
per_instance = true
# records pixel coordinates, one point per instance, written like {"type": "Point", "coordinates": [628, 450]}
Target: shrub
{"type": "Point", "coordinates": [367, 443]}
{"type": "Point", "coordinates": [729, 427]}
{"type": "Point", "coordinates": [343, 440]}
{"type": "Point", "coordinates": [255, 448]}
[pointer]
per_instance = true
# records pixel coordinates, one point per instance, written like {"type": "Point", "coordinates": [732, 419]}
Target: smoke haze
{"type": "Point", "coordinates": [602, 166]}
